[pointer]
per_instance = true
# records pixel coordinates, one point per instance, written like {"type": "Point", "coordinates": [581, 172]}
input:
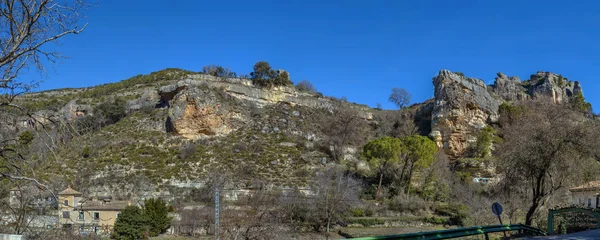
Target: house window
{"type": "Point", "coordinates": [589, 202]}
{"type": "Point", "coordinates": [66, 202]}
{"type": "Point", "coordinates": [66, 214]}
{"type": "Point", "coordinates": [96, 216]}
{"type": "Point", "coordinates": [81, 216]}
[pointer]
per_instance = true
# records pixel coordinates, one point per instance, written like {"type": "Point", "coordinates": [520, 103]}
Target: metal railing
{"type": "Point", "coordinates": [461, 232]}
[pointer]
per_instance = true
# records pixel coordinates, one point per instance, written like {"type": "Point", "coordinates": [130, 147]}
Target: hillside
{"type": "Point", "coordinates": [172, 128]}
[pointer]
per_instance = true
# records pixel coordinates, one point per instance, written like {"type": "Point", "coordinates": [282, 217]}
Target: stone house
{"type": "Point", "coordinates": [81, 214]}
{"type": "Point", "coordinates": [586, 195]}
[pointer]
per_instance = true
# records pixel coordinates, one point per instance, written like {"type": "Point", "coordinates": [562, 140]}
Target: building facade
{"type": "Point", "coordinates": [81, 214]}
{"type": "Point", "coordinates": [586, 195]}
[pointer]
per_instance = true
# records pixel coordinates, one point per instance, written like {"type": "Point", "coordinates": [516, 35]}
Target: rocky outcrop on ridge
{"type": "Point", "coordinates": [463, 105]}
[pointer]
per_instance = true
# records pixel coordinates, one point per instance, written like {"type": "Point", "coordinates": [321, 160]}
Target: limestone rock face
{"type": "Point", "coordinates": [462, 106]}
{"type": "Point", "coordinates": [509, 88]}
{"type": "Point", "coordinates": [195, 113]}
{"type": "Point", "coordinates": [72, 110]}
{"type": "Point", "coordinates": [547, 84]}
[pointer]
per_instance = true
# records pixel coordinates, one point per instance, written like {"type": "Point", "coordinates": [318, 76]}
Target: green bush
{"type": "Point", "coordinates": [264, 76]}
{"type": "Point", "coordinates": [357, 212]}
{"type": "Point", "coordinates": [436, 220]}
{"type": "Point", "coordinates": [137, 223]}
{"type": "Point", "coordinates": [485, 140]}
{"type": "Point", "coordinates": [112, 112]}
{"type": "Point", "coordinates": [578, 102]}
{"type": "Point", "coordinates": [458, 213]}
{"type": "Point", "coordinates": [25, 138]}
{"type": "Point", "coordinates": [131, 224]}
{"type": "Point", "coordinates": [157, 212]}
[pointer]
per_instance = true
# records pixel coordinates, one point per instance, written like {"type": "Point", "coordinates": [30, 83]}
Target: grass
{"type": "Point", "coordinates": [354, 232]}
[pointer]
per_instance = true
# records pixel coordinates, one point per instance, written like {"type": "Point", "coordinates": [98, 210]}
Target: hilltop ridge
{"type": "Point", "coordinates": [174, 126]}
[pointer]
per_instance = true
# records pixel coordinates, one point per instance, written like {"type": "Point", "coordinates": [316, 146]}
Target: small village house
{"type": "Point", "coordinates": [81, 214]}
{"type": "Point", "coordinates": [586, 195]}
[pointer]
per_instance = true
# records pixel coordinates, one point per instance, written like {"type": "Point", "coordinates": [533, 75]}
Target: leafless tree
{"type": "Point", "coordinates": [27, 26]}
{"type": "Point", "coordinates": [306, 86]}
{"type": "Point", "coordinates": [24, 203]}
{"type": "Point", "coordinates": [397, 123]}
{"type": "Point", "coordinates": [334, 193]}
{"type": "Point", "coordinates": [546, 149]}
{"type": "Point", "coordinates": [343, 126]}
{"type": "Point", "coordinates": [400, 97]}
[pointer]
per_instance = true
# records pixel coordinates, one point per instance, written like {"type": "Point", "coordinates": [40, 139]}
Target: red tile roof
{"type": "Point", "coordinates": [101, 205]}
{"type": "Point", "coordinates": [69, 191]}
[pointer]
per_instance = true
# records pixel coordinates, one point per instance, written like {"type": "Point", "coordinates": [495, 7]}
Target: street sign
{"type": "Point", "coordinates": [497, 209]}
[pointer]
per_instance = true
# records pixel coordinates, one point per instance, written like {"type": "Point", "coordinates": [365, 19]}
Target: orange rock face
{"type": "Point", "coordinates": [197, 122]}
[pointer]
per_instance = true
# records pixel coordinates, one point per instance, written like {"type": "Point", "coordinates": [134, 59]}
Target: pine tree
{"type": "Point", "coordinates": [157, 212]}
{"type": "Point", "coordinates": [132, 224]}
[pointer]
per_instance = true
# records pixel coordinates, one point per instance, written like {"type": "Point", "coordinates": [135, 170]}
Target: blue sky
{"type": "Point", "coordinates": [357, 49]}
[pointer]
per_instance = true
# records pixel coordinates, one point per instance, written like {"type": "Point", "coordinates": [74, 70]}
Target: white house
{"type": "Point", "coordinates": [586, 195]}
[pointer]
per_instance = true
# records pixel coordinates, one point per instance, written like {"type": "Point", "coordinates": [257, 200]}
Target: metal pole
{"type": "Point", "coordinates": [500, 219]}
{"type": "Point", "coordinates": [217, 206]}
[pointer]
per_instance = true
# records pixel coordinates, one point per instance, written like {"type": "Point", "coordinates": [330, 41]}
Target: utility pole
{"type": "Point", "coordinates": [217, 206]}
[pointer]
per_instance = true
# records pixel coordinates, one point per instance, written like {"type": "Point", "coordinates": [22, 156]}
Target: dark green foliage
{"type": "Point", "coordinates": [25, 138]}
{"type": "Point", "coordinates": [579, 103]}
{"type": "Point", "coordinates": [562, 81]}
{"type": "Point", "coordinates": [85, 153]}
{"type": "Point", "coordinates": [131, 224]}
{"type": "Point", "coordinates": [436, 220]}
{"type": "Point", "coordinates": [157, 213]}
{"type": "Point", "coordinates": [112, 112]}
{"type": "Point", "coordinates": [458, 213]}
{"type": "Point", "coordinates": [485, 140]}
{"type": "Point", "coordinates": [137, 223]}
{"type": "Point", "coordinates": [264, 76]}
{"type": "Point", "coordinates": [509, 113]}
{"type": "Point", "coordinates": [357, 212]}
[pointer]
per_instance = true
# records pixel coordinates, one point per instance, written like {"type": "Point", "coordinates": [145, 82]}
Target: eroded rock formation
{"type": "Point", "coordinates": [463, 105]}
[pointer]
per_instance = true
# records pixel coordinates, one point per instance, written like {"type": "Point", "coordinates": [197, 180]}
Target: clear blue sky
{"type": "Point", "coordinates": [357, 49]}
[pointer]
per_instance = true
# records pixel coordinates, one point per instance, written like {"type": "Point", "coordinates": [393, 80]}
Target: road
{"type": "Point", "coordinates": [590, 234]}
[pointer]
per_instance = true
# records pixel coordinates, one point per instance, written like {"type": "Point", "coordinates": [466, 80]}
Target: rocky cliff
{"type": "Point", "coordinates": [464, 105]}
{"type": "Point", "coordinates": [174, 127]}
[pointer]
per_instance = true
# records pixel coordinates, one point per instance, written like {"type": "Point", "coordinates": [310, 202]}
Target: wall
{"type": "Point", "coordinates": [11, 237]}
{"type": "Point", "coordinates": [581, 198]}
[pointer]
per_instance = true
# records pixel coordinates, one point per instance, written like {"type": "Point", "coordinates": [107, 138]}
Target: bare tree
{"type": "Point", "coordinates": [306, 86]}
{"type": "Point", "coordinates": [546, 148]}
{"type": "Point", "coordinates": [334, 194]}
{"type": "Point", "coordinates": [343, 126]}
{"type": "Point", "coordinates": [27, 26]}
{"type": "Point", "coordinates": [400, 97]}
